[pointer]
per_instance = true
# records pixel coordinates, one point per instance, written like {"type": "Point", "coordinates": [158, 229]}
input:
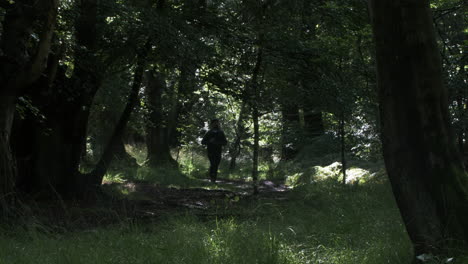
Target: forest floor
{"type": "Point", "coordinates": [141, 222]}
{"type": "Point", "coordinates": [144, 201]}
{"type": "Point", "coordinates": [157, 200]}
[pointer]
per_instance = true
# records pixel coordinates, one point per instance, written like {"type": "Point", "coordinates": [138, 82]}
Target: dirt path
{"type": "Point", "coordinates": [143, 201]}
{"type": "Point", "coordinates": [211, 200]}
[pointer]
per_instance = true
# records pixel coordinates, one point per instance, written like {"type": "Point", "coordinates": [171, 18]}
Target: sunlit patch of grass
{"type": "Point", "coordinates": [114, 178]}
{"type": "Point", "coordinates": [357, 174]}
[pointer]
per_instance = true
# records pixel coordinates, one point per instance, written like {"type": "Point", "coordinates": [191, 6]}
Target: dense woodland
{"type": "Point", "coordinates": [97, 93]}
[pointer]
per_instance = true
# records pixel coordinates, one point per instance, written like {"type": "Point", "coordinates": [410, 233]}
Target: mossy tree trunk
{"type": "Point", "coordinates": [423, 163]}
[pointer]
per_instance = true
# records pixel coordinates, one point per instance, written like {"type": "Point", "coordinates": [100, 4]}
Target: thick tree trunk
{"type": "Point", "coordinates": [186, 98]}
{"type": "Point", "coordinates": [157, 130]}
{"type": "Point", "coordinates": [423, 163]}
{"type": "Point", "coordinates": [87, 77]}
{"type": "Point", "coordinates": [313, 123]}
{"type": "Point", "coordinates": [18, 69]}
{"type": "Point", "coordinates": [50, 164]}
{"type": "Point", "coordinates": [173, 115]}
{"type": "Point", "coordinates": [44, 147]}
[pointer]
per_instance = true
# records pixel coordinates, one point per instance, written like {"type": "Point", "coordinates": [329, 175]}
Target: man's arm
{"type": "Point", "coordinates": [206, 137]}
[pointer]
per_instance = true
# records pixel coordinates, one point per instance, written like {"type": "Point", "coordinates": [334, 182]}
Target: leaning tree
{"type": "Point", "coordinates": [427, 175]}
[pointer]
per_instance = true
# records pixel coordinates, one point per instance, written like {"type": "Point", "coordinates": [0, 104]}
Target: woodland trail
{"type": "Point", "coordinates": [141, 202]}
{"type": "Point", "coordinates": [215, 200]}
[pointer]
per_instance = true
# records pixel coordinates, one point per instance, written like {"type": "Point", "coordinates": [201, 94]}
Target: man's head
{"type": "Point", "coordinates": [214, 123]}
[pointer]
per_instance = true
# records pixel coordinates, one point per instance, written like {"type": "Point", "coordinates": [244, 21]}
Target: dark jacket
{"type": "Point", "coordinates": [214, 139]}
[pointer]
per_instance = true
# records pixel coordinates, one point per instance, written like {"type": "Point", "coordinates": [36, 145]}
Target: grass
{"type": "Point", "coordinates": [320, 221]}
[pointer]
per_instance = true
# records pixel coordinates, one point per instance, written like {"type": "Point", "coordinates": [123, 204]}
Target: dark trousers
{"type": "Point", "coordinates": [214, 156]}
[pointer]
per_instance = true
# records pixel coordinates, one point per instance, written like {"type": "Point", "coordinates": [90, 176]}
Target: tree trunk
{"type": "Point", "coordinates": [255, 116]}
{"type": "Point", "coordinates": [187, 86]}
{"type": "Point", "coordinates": [343, 146]}
{"type": "Point", "coordinates": [115, 143]}
{"type": "Point", "coordinates": [157, 130]}
{"type": "Point", "coordinates": [7, 165]}
{"type": "Point", "coordinates": [87, 78]}
{"type": "Point", "coordinates": [44, 147]}
{"type": "Point", "coordinates": [313, 123]}
{"type": "Point", "coordinates": [50, 164]}
{"type": "Point", "coordinates": [462, 115]}
{"type": "Point", "coordinates": [290, 131]}
{"type": "Point", "coordinates": [18, 69]}
{"type": "Point", "coordinates": [422, 160]}
{"type": "Point", "coordinates": [240, 131]}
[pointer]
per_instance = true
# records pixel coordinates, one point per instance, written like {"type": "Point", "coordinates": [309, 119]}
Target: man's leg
{"type": "Point", "coordinates": [213, 169]}
{"type": "Point", "coordinates": [216, 161]}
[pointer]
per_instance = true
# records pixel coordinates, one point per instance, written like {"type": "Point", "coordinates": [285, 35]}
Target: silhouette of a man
{"type": "Point", "coordinates": [214, 139]}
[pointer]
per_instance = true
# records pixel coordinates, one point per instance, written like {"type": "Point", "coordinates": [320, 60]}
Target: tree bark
{"type": "Point", "coordinates": [115, 143]}
{"type": "Point", "coordinates": [18, 69]}
{"type": "Point", "coordinates": [462, 115]}
{"type": "Point", "coordinates": [423, 163]}
{"type": "Point", "coordinates": [7, 164]}
{"type": "Point", "coordinates": [290, 136]}
{"type": "Point", "coordinates": [157, 130]}
{"type": "Point", "coordinates": [33, 133]}
{"type": "Point", "coordinates": [343, 146]}
{"type": "Point", "coordinates": [50, 164]}
{"type": "Point", "coordinates": [45, 148]}
{"type": "Point", "coordinates": [240, 132]}
{"type": "Point", "coordinates": [255, 117]}
{"type": "Point", "coordinates": [313, 123]}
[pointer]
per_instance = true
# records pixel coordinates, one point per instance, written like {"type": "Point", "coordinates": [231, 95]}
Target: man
{"type": "Point", "coordinates": [215, 140]}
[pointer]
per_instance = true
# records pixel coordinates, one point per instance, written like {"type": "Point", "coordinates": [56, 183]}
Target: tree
{"type": "Point", "coordinates": [158, 128]}
{"type": "Point", "coordinates": [115, 143]}
{"type": "Point", "coordinates": [20, 66]}
{"type": "Point", "coordinates": [427, 176]}
{"type": "Point", "coordinates": [50, 150]}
